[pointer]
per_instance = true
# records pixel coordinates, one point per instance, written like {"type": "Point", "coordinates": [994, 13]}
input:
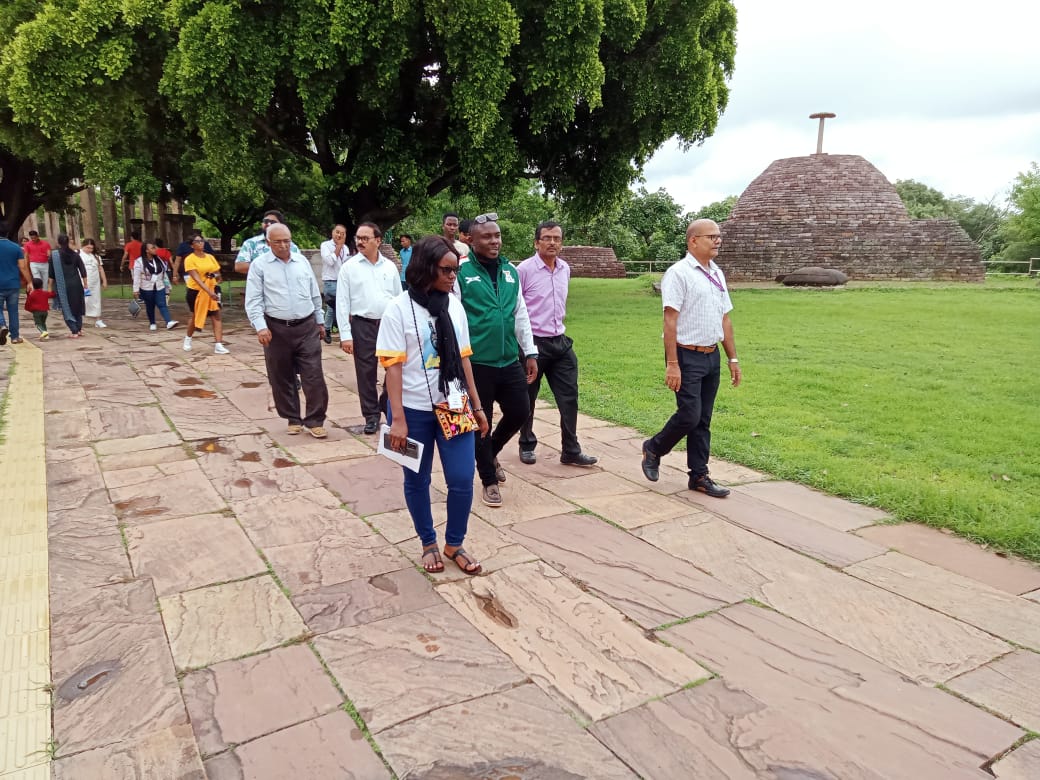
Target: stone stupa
{"type": "Point", "coordinates": [839, 211]}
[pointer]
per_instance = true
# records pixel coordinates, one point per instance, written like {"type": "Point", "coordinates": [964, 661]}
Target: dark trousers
{"type": "Point", "coordinates": [508, 387]}
{"type": "Point", "coordinates": [40, 321]}
{"type": "Point", "coordinates": [558, 363]}
{"type": "Point", "coordinates": [366, 367]}
{"type": "Point", "coordinates": [297, 348]}
{"type": "Point", "coordinates": [694, 402]}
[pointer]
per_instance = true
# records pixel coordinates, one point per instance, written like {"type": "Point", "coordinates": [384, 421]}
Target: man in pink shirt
{"type": "Point", "coordinates": [37, 252]}
{"type": "Point", "coordinates": [544, 282]}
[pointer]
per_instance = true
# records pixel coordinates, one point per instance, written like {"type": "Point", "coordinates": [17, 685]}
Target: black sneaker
{"type": "Point", "coordinates": [3, 335]}
{"type": "Point", "coordinates": [705, 484]}
{"type": "Point", "coordinates": [651, 464]}
{"type": "Point", "coordinates": [581, 459]}
{"type": "Point", "coordinates": [528, 457]}
{"type": "Point", "coordinates": [371, 426]}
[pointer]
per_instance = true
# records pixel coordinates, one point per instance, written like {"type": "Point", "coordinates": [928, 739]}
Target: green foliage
{"type": "Point", "coordinates": [922, 201]}
{"type": "Point", "coordinates": [1023, 225]}
{"type": "Point", "coordinates": [940, 430]}
{"type": "Point", "coordinates": [718, 211]}
{"type": "Point", "coordinates": [391, 101]}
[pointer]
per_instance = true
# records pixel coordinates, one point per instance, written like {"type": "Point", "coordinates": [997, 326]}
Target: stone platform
{"type": "Point", "coordinates": [228, 601]}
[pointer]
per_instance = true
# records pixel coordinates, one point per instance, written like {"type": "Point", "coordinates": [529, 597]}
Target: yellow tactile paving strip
{"type": "Point", "coordinates": [25, 714]}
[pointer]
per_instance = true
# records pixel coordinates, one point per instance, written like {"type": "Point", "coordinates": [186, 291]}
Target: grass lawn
{"type": "Point", "coordinates": [920, 399]}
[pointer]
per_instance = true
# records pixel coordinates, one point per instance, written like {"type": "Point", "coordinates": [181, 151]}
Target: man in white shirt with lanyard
{"type": "Point", "coordinates": [367, 283]}
{"type": "Point", "coordinates": [696, 317]}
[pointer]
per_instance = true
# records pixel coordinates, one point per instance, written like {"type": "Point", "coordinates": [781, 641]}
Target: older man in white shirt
{"type": "Point", "coordinates": [696, 317]}
{"type": "Point", "coordinates": [367, 283]}
{"type": "Point", "coordinates": [283, 304]}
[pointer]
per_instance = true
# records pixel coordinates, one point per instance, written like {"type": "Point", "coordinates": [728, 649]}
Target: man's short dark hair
{"type": "Point", "coordinates": [135, 235]}
{"type": "Point", "coordinates": [3, 230]}
{"type": "Point", "coordinates": [276, 214]}
{"type": "Point", "coordinates": [548, 225]}
{"type": "Point", "coordinates": [448, 214]}
{"type": "Point", "coordinates": [466, 226]}
{"type": "Point", "coordinates": [404, 235]}
{"type": "Point", "coordinates": [34, 233]}
{"type": "Point", "coordinates": [375, 229]}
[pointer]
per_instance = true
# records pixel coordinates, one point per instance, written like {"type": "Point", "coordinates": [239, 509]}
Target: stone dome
{"type": "Point", "coordinates": [838, 211]}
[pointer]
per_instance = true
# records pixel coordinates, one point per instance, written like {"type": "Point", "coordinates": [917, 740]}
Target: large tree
{"type": "Point", "coordinates": [1023, 226]}
{"type": "Point", "coordinates": [392, 101]}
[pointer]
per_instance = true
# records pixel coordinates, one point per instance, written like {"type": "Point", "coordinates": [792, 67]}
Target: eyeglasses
{"type": "Point", "coordinates": [551, 239]}
{"type": "Point", "coordinates": [281, 242]}
{"type": "Point", "coordinates": [449, 270]}
{"type": "Point", "coordinates": [269, 222]}
{"type": "Point", "coordinates": [710, 236]}
{"type": "Point", "coordinates": [364, 238]}
{"type": "Point", "coordinates": [197, 241]}
{"type": "Point", "coordinates": [491, 216]}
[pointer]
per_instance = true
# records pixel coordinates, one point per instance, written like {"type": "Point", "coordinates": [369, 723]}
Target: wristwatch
{"type": "Point", "coordinates": [733, 360]}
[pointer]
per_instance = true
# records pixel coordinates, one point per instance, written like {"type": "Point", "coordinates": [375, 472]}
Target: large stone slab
{"type": "Point", "coordinates": [715, 731]}
{"type": "Point", "coordinates": [514, 734]}
{"type": "Point", "coordinates": [598, 484]}
{"type": "Point", "coordinates": [330, 560]}
{"type": "Point", "coordinates": [905, 636]}
{"type": "Point", "coordinates": [368, 486]}
{"type": "Point", "coordinates": [125, 422]}
{"type": "Point", "coordinates": [250, 465]}
{"type": "Point", "coordinates": [145, 494]}
{"type": "Point", "coordinates": [302, 516]}
{"type": "Point", "coordinates": [86, 557]}
{"type": "Point", "coordinates": [327, 747]}
{"type": "Point", "coordinates": [968, 600]}
{"type": "Point", "coordinates": [125, 460]}
{"type": "Point", "coordinates": [339, 445]}
{"type": "Point", "coordinates": [107, 647]}
{"type": "Point", "coordinates": [521, 500]}
{"type": "Point", "coordinates": [1022, 763]}
{"type": "Point", "coordinates": [397, 526]}
{"type": "Point", "coordinates": [838, 513]}
{"type": "Point", "coordinates": [199, 412]}
{"type": "Point", "coordinates": [1008, 685]}
{"type": "Point", "coordinates": [648, 585]}
{"type": "Point", "coordinates": [190, 552]}
{"type": "Point", "coordinates": [789, 529]}
{"type": "Point", "coordinates": [149, 441]}
{"type": "Point", "coordinates": [862, 709]}
{"type": "Point", "coordinates": [67, 429]}
{"type": "Point", "coordinates": [633, 510]}
{"type": "Point", "coordinates": [227, 621]}
{"type": "Point", "coordinates": [237, 701]}
{"type": "Point", "coordinates": [167, 754]}
{"type": "Point", "coordinates": [576, 648]}
{"type": "Point", "coordinates": [365, 600]}
{"type": "Point", "coordinates": [957, 555]}
{"type": "Point", "coordinates": [433, 653]}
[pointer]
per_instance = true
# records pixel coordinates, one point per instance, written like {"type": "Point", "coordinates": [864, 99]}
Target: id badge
{"type": "Point", "coordinates": [455, 398]}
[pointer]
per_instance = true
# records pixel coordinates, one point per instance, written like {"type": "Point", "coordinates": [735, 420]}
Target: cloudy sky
{"type": "Point", "coordinates": [947, 93]}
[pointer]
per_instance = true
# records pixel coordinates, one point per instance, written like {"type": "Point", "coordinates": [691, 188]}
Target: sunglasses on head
{"type": "Point", "coordinates": [491, 216]}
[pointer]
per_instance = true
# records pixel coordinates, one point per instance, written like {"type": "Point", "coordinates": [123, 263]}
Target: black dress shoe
{"type": "Point", "coordinates": [371, 426]}
{"type": "Point", "coordinates": [705, 484]}
{"type": "Point", "coordinates": [581, 459]}
{"type": "Point", "coordinates": [528, 457]}
{"type": "Point", "coordinates": [651, 464]}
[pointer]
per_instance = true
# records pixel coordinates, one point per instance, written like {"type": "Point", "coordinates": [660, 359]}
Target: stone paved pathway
{"type": "Point", "coordinates": [227, 601]}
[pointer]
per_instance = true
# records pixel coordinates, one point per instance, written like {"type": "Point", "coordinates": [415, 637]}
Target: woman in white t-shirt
{"type": "Point", "coordinates": [96, 280]}
{"type": "Point", "coordinates": [424, 346]}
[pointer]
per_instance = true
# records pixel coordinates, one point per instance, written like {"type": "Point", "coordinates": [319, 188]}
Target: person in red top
{"type": "Point", "coordinates": [37, 252]}
{"type": "Point", "coordinates": [163, 252]}
{"type": "Point", "coordinates": [37, 302]}
{"type": "Point", "coordinates": [131, 251]}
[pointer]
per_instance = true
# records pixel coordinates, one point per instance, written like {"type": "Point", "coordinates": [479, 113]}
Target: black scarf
{"type": "Point", "coordinates": [154, 265]}
{"type": "Point", "coordinates": [436, 302]}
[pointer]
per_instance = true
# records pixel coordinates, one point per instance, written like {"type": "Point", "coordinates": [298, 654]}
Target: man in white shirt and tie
{"type": "Point", "coordinates": [283, 304]}
{"type": "Point", "coordinates": [367, 282]}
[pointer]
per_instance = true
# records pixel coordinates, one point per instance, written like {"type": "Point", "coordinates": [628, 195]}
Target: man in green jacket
{"type": "Point", "coordinates": [498, 329]}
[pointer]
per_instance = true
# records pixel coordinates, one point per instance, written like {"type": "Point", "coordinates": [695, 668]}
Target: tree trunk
{"type": "Point", "coordinates": [18, 198]}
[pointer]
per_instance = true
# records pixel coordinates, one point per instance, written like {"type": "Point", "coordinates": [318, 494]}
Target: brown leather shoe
{"type": "Point", "coordinates": [705, 484]}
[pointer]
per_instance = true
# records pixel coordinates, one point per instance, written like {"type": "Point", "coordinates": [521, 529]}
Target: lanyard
{"type": "Point", "coordinates": [711, 278]}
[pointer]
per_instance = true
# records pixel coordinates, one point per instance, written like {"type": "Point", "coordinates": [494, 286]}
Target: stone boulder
{"type": "Point", "coordinates": [811, 276]}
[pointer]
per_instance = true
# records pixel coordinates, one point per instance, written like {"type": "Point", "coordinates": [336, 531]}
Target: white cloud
{"type": "Point", "coordinates": [943, 93]}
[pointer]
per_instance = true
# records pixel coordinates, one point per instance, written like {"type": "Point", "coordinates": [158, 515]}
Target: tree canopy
{"type": "Point", "coordinates": [1023, 225]}
{"type": "Point", "coordinates": [389, 101]}
{"type": "Point", "coordinates": [983, 222]}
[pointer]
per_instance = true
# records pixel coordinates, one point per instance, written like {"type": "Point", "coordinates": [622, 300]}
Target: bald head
{"type": "Point", "coordinates": [703, 240]}
{"type": "Point", "coordinates": [280, 239]}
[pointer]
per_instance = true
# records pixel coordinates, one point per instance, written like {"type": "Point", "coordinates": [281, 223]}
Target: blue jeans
{"type": "Point", "coordinates": [330, 304]}
{"type": "Point", "coordinates": [153, 298]}
{"type": "Point", "coordinates": [9, 299]}
{"type": "Point", "coordinates": [457, 461]}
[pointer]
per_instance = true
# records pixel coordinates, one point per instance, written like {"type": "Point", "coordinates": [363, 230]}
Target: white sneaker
{"type": "Point", "coordinates": [171, 324]}
{"type": "Point", "coordinates": [99, 324]}
{"type": "Point", "coordinates": [187, 343]}
{"type": "Point", "coordinates": [152, 326]}
{"type": "Point", "coordinates": [220, 349]}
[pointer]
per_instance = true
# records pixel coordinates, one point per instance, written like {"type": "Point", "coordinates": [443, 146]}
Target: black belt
{"type": "Point", "coordinates": [291, 323]}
